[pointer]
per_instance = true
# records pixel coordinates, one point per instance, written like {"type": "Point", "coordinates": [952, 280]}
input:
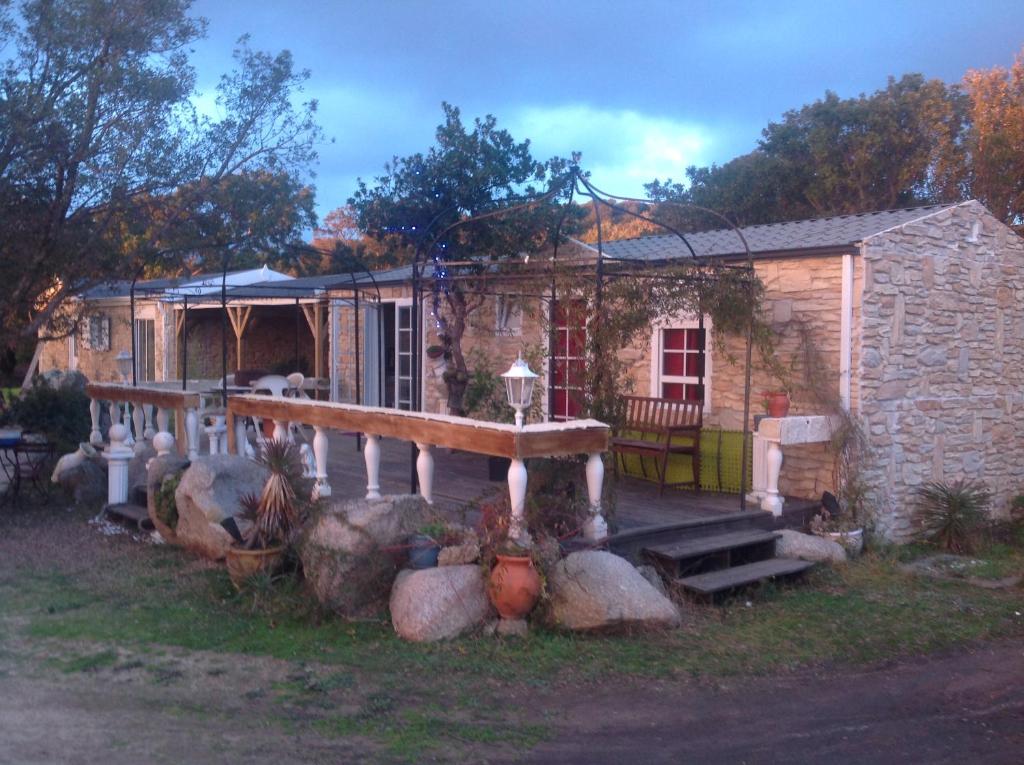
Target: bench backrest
{"type": "Point", "coordinates": [657, 414]}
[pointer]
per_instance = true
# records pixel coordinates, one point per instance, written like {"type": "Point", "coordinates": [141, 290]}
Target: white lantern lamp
{"type": "Point", "coordinates": [124, 365]}
{"type": "Point", "coordinates": [519, 381]}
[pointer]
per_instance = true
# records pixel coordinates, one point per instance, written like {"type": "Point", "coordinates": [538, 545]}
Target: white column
{"type": "Point", "coordinates": [118, 455]}
{"type": "Point", "coordinates": [371, 453]}
{"type": "Point", "coordinates": [517, 495]}
{"type": "Point", "coordinates": [323, 488]}
{"type": "Point", "coordinates": [595, 527]}
{"type": "Point", "coordinates": [95, 437]}
{"type": "Point", "coordinates": [114, 410]}
{"type": "Point", "coordinates": [772, 502]}
{"type": "Point", "coordinates": [280, 430]}
{"type": "Point", "coordinates": [425, 472]}
{"type": "Point", "coordinates": [192, 432]}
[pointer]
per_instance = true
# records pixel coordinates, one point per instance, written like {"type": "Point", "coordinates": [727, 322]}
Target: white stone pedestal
{"type": "Point", "coordinates": [772, 434]}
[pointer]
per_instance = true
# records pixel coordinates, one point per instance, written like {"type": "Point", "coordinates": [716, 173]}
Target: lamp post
{"type": "Point", "coordinates": [124, 365]}
{"type": "Point", "coordinates": [519, 380]}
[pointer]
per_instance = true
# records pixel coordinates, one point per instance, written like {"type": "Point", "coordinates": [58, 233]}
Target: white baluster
{"type": "Point", "coordinates": [118, 455]}
{"type": "Point", "coordinates": [425, 472]}
{"type": "Point", "coordinates": [163, 442]}
{"type": "Point", "coordinates": [280, 430]}
{"type": "Point", "coordinates": [139, 421]}
{"type": "Point", "coordinates": [595, 527]}
{"type": "Point", "coordinates": [241, 438]}
{"type": "Point", "coordinates": [192, 432]}
{"type": "Point", "coordinates": [114, 410]}
{"type": "Point", "coordinates": [162, 420]}
{"type": "Point", "coordinates": [772, 502]}
{"type": "Point", "coordinates": [517, 495]}
{"type": "Point", "coordinates": [147, 428]}
{"type": "Point", "coordinates": [95, 437]}
{"type": "Point", "coordinates": [371, 454]}
{"type": "Point", "coordinates": [323, 489]}
{"type": "Point", "coordinates": [126, 420]}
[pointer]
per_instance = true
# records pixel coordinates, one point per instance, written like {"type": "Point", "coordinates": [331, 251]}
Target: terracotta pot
{"type": "Point", "coordinates": [242, 563]}
{"type": "Point", "coordinates": [777, 403]}
{"type": "Point", "coordinates": [514, 586]}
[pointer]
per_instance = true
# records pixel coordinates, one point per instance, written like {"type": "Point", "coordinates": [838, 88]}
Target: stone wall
{"type": "Point", "coordinates": [942, 360]}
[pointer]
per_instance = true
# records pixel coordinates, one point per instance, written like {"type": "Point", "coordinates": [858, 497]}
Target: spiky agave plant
{"type": "Point", "coordinates": [284, 498]}
{"type": "Point", "coordinates": [949, 515]}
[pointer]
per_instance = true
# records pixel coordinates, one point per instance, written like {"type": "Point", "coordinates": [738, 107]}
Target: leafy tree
{"type": "Point", "coordinates": [838, 156]}
{"type": "Point", "coordinates": [343, 246]}
{"type": "Point", "coordinates": [991, 156]}
{"type": "Point", "coordinates": [105, 166]}
{"type": "Point", "coordinates": [429, 200]}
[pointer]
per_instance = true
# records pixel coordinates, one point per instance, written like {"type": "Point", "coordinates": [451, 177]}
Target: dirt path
{"type": "Point", "coordinates": [960, 708]}
{"type": "Point", "coordinates": [216, 708]}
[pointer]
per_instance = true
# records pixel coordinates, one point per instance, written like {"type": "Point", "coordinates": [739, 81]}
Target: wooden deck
{"type": "Point", "coordinates": [460, 479]}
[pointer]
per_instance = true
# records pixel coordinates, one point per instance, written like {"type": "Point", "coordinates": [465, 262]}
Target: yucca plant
{"type": "Point", "coordinates": [950, 515]}
{"type": "Point", "coordinates": [283, 503]}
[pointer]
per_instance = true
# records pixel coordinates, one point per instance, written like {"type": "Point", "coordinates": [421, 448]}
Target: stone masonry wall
{"type": "Point", "coordinates": [942, 360]}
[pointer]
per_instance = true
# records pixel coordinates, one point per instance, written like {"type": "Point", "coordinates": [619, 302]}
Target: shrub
{"type": "Point", "coordinates": [61, 414]}
{"type": "Point", "coordinates": [950, 515]}
{"type": "Point", "coordinates": [164, 503]}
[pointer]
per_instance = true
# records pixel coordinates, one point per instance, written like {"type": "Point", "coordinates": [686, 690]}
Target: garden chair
{"type": "Point", "coordinates": [32, 463]}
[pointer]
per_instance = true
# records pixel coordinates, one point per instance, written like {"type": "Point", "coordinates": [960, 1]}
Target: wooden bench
{"type": "Point", "coordinates": [653, 427]}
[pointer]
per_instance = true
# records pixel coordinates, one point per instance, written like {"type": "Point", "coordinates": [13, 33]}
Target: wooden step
{"type": "Point", "coordinates": [740, 576]}
{"type": "Point", "coordinates": [695, 547]}
{"type": "Point", "coordinates": [130, 514]}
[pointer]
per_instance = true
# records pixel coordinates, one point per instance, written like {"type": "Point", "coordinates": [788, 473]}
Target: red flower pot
{"type": "Point", "coordinates": [777, 403]}
{"type": "Point", "coordinates": [514, 586]}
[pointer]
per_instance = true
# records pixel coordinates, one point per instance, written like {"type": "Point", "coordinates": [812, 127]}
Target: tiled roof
{"type": "Point", "coordinates": [838, 231]}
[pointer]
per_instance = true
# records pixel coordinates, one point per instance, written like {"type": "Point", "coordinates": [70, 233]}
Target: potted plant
{"type": "Point", "coordinates": [425, 545]}
{"type": "Point", "coordinates": [514, 584]}
{"type": "Point", "coordinates": [776, 402]}
{"type": "Point", "coordinates": [842, 527]}
{"type": "Point", "coordinates": [438, 359]}
{"type": "Point", "coordinates": [275, 516]}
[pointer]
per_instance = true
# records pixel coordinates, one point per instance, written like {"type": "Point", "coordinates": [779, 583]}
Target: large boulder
{"type": "Point", "coordinates": [439, 603]}
{"type": "Point", "coordinates": [793, 544]}
{"type": "Point", "coordinates": [209, 492]}
{"type": "Point", "coordinates": [349, 551]}
{"type": "Point", "coordinates": [595, 590]}
{"type": "Point", "coordinates": [161, 469]}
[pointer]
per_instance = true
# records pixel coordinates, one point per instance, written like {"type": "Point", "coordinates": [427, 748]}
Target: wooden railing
{"type": "Point", "coordinates": [139, 408]}
{"type": "Point", "coordinates": [426, 431]}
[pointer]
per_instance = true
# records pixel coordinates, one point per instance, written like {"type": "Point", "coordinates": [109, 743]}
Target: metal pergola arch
{"type": "Point", "coordinates": [578, 183]}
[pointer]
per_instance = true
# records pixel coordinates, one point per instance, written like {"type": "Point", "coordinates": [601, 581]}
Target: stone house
{"type": "Point", "coordinates": [911, 320]}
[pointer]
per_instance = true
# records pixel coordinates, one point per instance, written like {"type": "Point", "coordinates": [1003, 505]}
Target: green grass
{"type": "Point", "coordinates": [358, 680]}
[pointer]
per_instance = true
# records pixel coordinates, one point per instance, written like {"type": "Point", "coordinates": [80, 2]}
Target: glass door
{"type": "Point", "coordinates": [403, 357]}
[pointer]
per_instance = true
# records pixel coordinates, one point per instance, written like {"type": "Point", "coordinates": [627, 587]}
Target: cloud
{"type": "Point", "coordinates": [623, 149]}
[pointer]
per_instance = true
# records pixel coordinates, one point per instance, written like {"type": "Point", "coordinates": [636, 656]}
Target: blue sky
{"type": "Point", "coordinates": [642, 89]}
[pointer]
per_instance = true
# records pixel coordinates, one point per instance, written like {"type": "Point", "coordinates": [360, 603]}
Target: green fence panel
{"type": "Point", "coordinates": [720, 459]}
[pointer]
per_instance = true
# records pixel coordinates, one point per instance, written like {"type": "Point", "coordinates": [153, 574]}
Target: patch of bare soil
{"type": "Point", "coordinates": [963, 707]}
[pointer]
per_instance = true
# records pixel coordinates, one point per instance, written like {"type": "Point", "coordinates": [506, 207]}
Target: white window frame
{"type": "Point", "coordinates": [96, 333]}
{"type": "Point", "coordinates": [508, 316]}
{"type": "Point", "coordinates": [680, 321]}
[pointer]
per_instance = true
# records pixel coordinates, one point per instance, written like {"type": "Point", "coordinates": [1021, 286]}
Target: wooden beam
{"type": "Point", "coordinates": [556, 439]}
{"type": "Point", "coordinates": [165, 398]}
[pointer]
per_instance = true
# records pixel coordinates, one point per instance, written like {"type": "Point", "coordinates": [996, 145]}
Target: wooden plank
{"type": "Point", "coordinates": [691, 548]}
{"type": "Point", "coordinates": [437, 430]}
{"type": "Point", "coordinates": [739, 576]}
{"type": "Point", "coordinates": [161, 397]}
